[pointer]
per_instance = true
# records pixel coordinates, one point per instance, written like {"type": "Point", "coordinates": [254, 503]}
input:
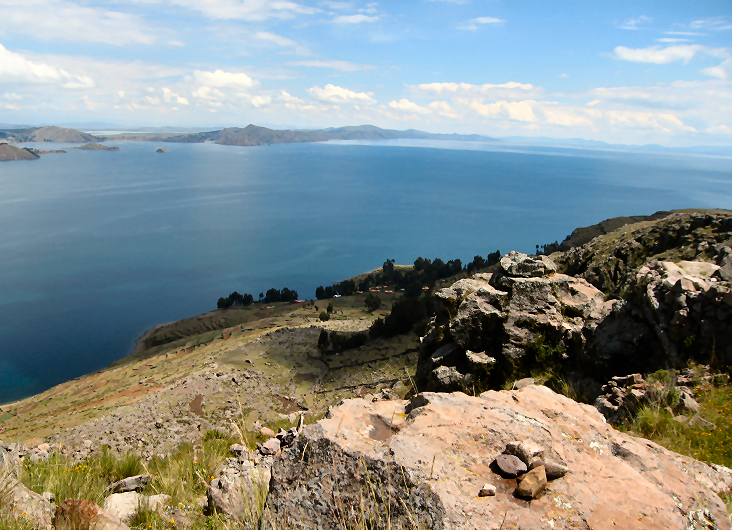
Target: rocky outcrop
{"type": "Point", "coordinates": [429, 463]}
{"type": "Point", "coordinates": [491, 326]}
{"type": "Point", "coordinates": [622, 396]}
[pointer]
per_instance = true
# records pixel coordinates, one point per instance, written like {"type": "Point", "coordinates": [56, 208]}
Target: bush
{"type": "Point", "coordinates": [324, 316]}
{"type": "Point", "coordinates": [372, 302]}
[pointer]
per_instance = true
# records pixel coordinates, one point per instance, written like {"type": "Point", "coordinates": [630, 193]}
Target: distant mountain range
{"type": "Point", "coordinates": [252, 135]}
{"type": "Point", "coordinates": [256, 135]}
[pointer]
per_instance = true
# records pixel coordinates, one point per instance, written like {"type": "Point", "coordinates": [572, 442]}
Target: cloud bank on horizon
{"type": "Point", "coordinates": [625, 72]}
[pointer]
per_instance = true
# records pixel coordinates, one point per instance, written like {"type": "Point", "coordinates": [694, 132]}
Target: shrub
{"type": "Point", "coordinates": [324, 316]}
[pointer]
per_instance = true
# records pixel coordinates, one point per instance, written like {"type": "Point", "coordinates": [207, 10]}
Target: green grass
{"type": "Point", "coordinates": [713, 446]}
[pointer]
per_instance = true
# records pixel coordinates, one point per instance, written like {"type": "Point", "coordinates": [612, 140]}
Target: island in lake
{"type": "Point", "coordinates": [98, 147]}
{"type": "Point", "coordinates": [10, 152]}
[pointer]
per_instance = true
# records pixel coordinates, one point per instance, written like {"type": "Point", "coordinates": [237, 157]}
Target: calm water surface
{"type": "Point", "coordinates": [96, 247]}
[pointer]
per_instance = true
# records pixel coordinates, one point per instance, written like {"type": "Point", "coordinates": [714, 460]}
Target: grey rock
{"type": "Point", "coordinates": [448, 378]}
{"type": "Point", "coordinates": [689, 403]}
{"type": "Point", "coordinates": [524, 266]}
{"type": "Point", "coordinates": [488, 490]}
{"type": "Point", "coordinates": [523, 383]}
{"type": "Point", "coordinates": [510, 466]}
{"type": "Point", "coordinates": [236, 449]}
{"type": "Point", "coordinates": [270, 447]}
{"type": "Point", "coordinates": [553, 470]}
{"type": "Point", "coordinates": [526, 450]}
{"type": "Point", "coordinates": [136, 483]}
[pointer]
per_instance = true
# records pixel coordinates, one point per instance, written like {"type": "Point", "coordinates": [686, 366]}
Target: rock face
{"type": "Point", "coordinates": [428, 467]}
{"type": "Point", "coordinates": [492, 325]}
{"type": "Point", "coordinates": [125, 505]}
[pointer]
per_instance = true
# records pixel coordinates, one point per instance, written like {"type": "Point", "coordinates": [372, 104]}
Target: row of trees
{"type": "Point", "coordinates": [426, 272]}
{"type": "Point", "coordinates": [273, 295]}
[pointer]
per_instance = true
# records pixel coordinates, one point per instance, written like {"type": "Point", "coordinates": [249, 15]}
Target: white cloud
{"type": "Point", "coordinates": [273, 37]}
{"type": "Point", "coordinates": [648, 120]}
{"type": "Point", "coordinates": [408, 106]}
{"type": "Point", "coordinates": [171, 97]}
{"type": "Point", "coordinates": [221, 79]}
{"type": "Point", "coordinates": [14, 68]}
{"type": "Point", "coordinates": [287, 98]}
{"type": "Point", "coordinates": [344, 66]}
{"type": "Point", "coordinates": [658, 55]}
{"type": "Point", "coordinates": [354, 19]}
{"type": "Point", "coordinates": [514, 110]}
{"type": "Point", "coordinates": [564, 76]}
{"type": "Point", "coordinates": [635, 23]}
{"type": "Point", "coordinates": [672, 40]}
{"type": "Point", "coordinates": [474, 23]}
{"type": "Point", "coordinates": [720, 71]}
{"type": "Point", "coordinates": [248, 10]}
{"type": "Point", "coordinates": [66, 20]}
{"type": "Point", "coordinates": [720, 129]}
{"type": "Point", "coordinates": [510, 90]}
{"type": "Point", "coordinates": [338, 95]}
{"type": "Point", "coordinates": [712, 24]}
{"type": "Point", "coordinates": [443, 108]}
{"type": "Point", "coordinates": [11, 96]}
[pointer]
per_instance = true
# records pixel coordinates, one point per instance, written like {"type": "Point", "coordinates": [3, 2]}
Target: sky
{"type": "Point", "coordinates": [632, 72]}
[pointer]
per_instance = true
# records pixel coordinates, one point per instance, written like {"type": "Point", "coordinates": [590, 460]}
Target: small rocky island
{"type": "Point", "coordinates": [98, 147]}
{"type": "Point", "coordinates": [161, 150]}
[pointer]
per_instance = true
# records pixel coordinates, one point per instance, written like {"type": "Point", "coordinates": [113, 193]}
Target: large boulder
{"type": "Point", "coordinates": [126, 505]}
{"type": "Point", "coordinates": [426, 469]}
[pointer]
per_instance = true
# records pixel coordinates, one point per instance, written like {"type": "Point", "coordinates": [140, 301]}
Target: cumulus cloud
{"type": "Point", "coordinates": [354, 19]}
{"type": "Point", "coordinates": [474, 23]}
{"type": "Point", "coordinates": [658, 55]}
{"type": "Point", "coordinates": [65, 20]}
{"type": "Point", "coordinates": [408, 106]}
{"type": "Point", "coordinates": [222, 79]}
{"type": "Point", "coordinates": [443, 108]}
{"type": "Point", "coordinates": [14, 68]}
{"type": "Point", "coordinates": [339, 95]}
{"type": "Point", "coordinates": [343, 66]}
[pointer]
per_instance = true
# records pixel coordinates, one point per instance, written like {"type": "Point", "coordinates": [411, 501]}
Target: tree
{"type": "Point", "coordinates": [372, 302]}
{"type": "Point", "coordinates": [329, 309]}
{"type": "Point", "coordinates": [324, 316]}
{"type": "Point", "coordinates": [223, 303]}
{"type": "Point", "coordinates": [323, 340]}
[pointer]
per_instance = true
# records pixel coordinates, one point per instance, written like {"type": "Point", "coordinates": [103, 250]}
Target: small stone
{"type": "Point", "coordinates": [488, 490]}
{"type": "Point", "coordinates": [136, 483]}
{"type": "Point", "coordinates": [270, 447]}
{"type": "Point", "coordinates": [510, 466]}
{"type": "Point", "coordinates": [553, 470]}
{"type": "Point", "coordinates": [267, 432]}
{"type": "Point", "coordinates": [49, 496]}
{"type": "Point", "coordinates": [689, 403]}
{"type": "Point", "coordinates": [531, 484]}
{"type": "Point", "coordinates": [43, 447]}
{"type": "Point", "coordinates": [526, 450]}
{"type": "Point", "coordinates": [521, 383]}
{"type": "Point", "coordinates": [236, 449]}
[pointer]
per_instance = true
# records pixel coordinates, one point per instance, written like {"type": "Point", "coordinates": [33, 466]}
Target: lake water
{"type": "Point", "coordinates": [96, 247]}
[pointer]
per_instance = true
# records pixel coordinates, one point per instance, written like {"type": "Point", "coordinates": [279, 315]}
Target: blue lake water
{"type": "Point", "coordinates": [96, 247]}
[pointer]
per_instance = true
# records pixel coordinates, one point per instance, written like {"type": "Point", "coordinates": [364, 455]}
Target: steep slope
{"type": "Point", "coordinates": [49, 134]}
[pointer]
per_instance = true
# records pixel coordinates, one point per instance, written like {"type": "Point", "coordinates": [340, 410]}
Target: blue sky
{"type": "Point", "coordinates": [625, 72]}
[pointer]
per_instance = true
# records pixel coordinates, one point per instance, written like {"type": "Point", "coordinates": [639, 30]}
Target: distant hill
{"type": "Point", "coordinates": [48, 134]}
{"type": "Point", "coordinates": [256, 135]}
{"type": "Point", "coordinates": [10, 152]}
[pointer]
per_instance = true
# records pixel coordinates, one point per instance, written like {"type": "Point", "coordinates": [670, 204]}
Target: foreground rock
{"type": "Point", "coordinates": [125, 505]}
{"type": "Point", "coordinates": [85, 515]}
{"type": "Point", "coordinates": [24, 504]}
{"type": "Point", "coordinates": [431, 468]}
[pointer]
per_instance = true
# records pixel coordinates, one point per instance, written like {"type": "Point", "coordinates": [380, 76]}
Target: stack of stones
{"type": "Point", "coordinates": [526, 462]}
